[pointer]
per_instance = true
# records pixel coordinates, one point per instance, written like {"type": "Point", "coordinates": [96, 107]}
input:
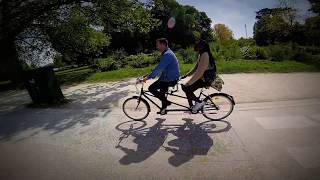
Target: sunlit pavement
{"type": "Point", "coordinates": [90, 138]}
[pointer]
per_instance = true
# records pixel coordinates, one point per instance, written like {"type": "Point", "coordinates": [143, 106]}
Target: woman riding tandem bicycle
{"type": "Point", "coordinates": [215, 106]}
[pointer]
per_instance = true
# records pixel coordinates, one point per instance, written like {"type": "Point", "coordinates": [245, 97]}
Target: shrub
{"type": "Point", "coordinates": [141, 60]}
{"type": "Point", "coordinates": [246, 42]}
{"type": "Point", "coordinates": [248, 52]}
{"type": "Point", "coordinates": [279, 53]}
{"type": "Point", "coordinates": [261, 53]}
{"type": "Point", "coordinates": [188, 55]}
{"type": "Point", "coordinates": [155, 57]}
{"type": "Point", "coordinates": [179, 56]}
{"type": "Point", "coordinates": [231, 52]}
{"type": "Point", "coordinates": [313, 50]}
{"type": "Point", "coordinates": [120, 56]}
{"type": "Point", "coordinates": [107, 64]}
{"type": "Point", "coordinates": [215, 48]}
{"type": "Point", "coordinates": [58, 61]}
{"type": "Point", "coordinates": [306, 57]}
{"type": "Point", "coordinates": [301, 56]}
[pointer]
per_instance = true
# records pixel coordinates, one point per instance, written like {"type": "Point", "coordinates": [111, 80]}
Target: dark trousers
{"type": "Point", "coordinates": [189, 90]}
{"type": "Point", "coordinates": [159, 90]}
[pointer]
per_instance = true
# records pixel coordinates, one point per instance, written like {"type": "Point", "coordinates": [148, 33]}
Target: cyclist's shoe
{"type": "Point", "coordinates": [162, 111]}
{"type": "Point", "coordinates": [198, 106]}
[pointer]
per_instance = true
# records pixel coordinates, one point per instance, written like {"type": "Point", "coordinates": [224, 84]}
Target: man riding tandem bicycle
{"type": "Point", "coordinates": [215, 106]}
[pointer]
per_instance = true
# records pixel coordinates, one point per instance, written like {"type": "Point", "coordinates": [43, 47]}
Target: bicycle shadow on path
{"type": "Point", "coordinates": [191, 139]}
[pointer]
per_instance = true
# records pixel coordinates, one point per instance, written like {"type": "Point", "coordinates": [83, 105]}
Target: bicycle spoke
{"type": "Point", "coordinates": [218, 107]}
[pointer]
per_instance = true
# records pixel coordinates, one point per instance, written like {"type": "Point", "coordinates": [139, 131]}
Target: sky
{"type": "Point", "coordinates": [236, 13]}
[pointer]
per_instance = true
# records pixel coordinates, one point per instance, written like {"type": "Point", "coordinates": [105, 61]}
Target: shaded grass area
{"type": "Point", "coordinates": [74, 76]}
{"type": "Point", "coordinates": [224, 67]}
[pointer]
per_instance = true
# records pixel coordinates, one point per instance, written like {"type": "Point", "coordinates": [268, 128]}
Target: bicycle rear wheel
{"type": "Point", "coordinates": [136, 108]}
{"type": "Point", "coordinates": [218, 106]}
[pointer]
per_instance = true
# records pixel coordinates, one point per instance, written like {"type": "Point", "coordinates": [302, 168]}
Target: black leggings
{"type": "Point", "coordinates": [160, 88]}
{"type": "Point", "coordinates": [189, 90]}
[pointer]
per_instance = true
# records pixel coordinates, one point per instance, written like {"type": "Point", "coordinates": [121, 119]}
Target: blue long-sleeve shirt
{"type": "Point", "coordinates": [168, 66]}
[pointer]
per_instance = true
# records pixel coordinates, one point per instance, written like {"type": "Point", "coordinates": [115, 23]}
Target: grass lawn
{"type": "Point", "coordinates": [224, 67]}
{"type": "Point", "coordinates": [77, 75]}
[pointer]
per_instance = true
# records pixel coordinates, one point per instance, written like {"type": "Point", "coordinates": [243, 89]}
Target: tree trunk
{"type": "Point", "coordinates": [10, 65]}
{"type": "Point", "coordinates": [41, 83]}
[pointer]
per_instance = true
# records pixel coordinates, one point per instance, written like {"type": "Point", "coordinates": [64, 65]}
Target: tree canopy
{"type": "Point", "coordinates": [222, 33]}
{"type": "Point", "coordinates": [81, 30]}
{"type": "Point", "coordinates": [280, 25]}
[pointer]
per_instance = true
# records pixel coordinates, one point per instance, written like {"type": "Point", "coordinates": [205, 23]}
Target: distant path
{"type": "Point", "coordinates": [246, 88]}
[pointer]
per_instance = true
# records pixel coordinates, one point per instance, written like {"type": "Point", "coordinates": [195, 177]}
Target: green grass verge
{"type": "Point", "coordinates": [224, 67]}
{"type": "Point", "coordinates": [262, 66]}
{"type": "Point", "coordinates": [119, 74]}
{"type": "Point", "coordinates": [68, 77]}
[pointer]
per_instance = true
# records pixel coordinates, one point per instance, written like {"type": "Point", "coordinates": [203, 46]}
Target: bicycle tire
{"type": "Point", "coordinates": [140, 101]}
{"type": "Point", "coordinates": [211, 104]}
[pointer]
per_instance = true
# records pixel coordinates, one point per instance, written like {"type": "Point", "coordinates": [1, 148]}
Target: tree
{"type": "Point", "coordinates": [76, 38]}
{"type": "Point", "coordinates": [190, 23]}
{"type": "Point", "coordinates": [313, 24]}
{"type": "Point", "coordinates": [20, 17]}
{"type": "Point", "coordinates": [16, 17]}
{"type": "Point", "coordinates": [127, 22]}
{"type": "Point", "coordinates": [271, 26]}
{"type": "Point", "coordinates": [315, 6]}
{"type": "Point", "coordinates": [223, 33]}
{"type": "Point", "coordinates": [289, 12]}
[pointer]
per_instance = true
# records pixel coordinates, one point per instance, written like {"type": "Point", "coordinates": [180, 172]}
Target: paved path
{"type": "Point", "coordinates": [90, 138]}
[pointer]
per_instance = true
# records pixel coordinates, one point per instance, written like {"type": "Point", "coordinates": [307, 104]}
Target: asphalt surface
{"type": "Point", "coordinates": [270, 135]}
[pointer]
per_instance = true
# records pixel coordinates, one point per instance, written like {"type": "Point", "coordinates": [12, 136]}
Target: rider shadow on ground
{"type": "Point", "coordinates": [191, 139]}
{"type": "Point", "coordinates": [147, 144]}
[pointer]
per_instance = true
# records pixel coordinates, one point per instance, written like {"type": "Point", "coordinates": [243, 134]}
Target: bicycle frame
{"type": "Point", "coordinates": [146, 95]}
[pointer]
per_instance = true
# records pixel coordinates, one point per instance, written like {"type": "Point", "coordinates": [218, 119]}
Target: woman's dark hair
{"type": "Point", "coordinates": [203, 47]}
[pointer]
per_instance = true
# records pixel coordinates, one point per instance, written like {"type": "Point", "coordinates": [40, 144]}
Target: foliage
{"type": "Point", "coordinates": [279, 52]}
{"type": "Point", "coordinates": [120, 60]}
{"type": "Point", "coordinates": [188, 56]}
{"type": "Point", "coordinates": [227, 51]}
{"type": "Point", "coordinates": [315, 6]}
{"type": "Point", "coordinates": [120, 57]}
{"type": "Point", "coordinates": [141, 60]}
{"type": "Point", "coordinates": [77, 40]}
{"type": "Point", "coordinates": [313, 30]}
{"type": "Point", "coordinates": [128, 23]}
{"type": "Point", "coordinates": [107, 64]}
{"type": "Point", "coordinates": [281, 25]}
{"type": "Point", "coordinates": [271, 27]}
{"type": "Point", "coordinates": [190, 23]}
{"type": "Point", "coordinates": [222, 33]}
{"type": "Point", "coordinates": [58, 62]}
{"type": "Point", "coordinates": [235, 66]}
{"type": "Point", "coordinates": [261, 53]}
{"type": "Point", "coordinates": [246, 42]}
{"type": "Point", "coordinates": [248, 52]}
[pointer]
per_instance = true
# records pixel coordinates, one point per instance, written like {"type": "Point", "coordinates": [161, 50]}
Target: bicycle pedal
{"type": "Point", "coordinates": [163, 112]}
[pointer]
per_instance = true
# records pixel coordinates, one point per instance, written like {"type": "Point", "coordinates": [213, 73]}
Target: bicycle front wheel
{"type": "Point", "coordinates": [218, 106]}
{"type": "Point", "coordinates": [136, 108]}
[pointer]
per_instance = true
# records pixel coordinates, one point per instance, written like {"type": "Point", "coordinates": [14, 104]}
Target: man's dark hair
{"type": "Point", "coordinates": [163, 41]}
